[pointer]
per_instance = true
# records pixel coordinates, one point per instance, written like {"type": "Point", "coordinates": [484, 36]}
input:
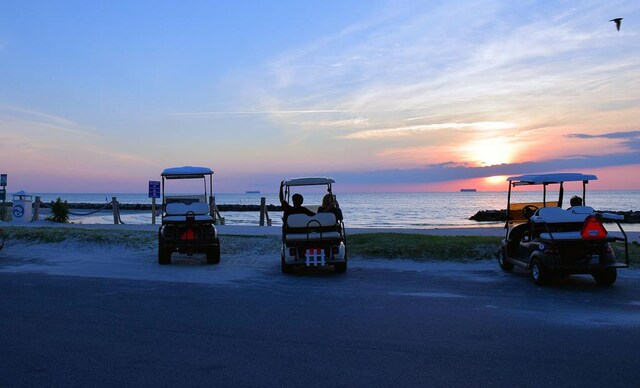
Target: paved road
{"type": "Point", "coordinates": [382, 323]}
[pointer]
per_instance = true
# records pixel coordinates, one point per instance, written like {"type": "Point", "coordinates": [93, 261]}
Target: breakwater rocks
{"type": "Point", "coordinates": [145, 206]}
{"type": "Point", "coordinates": [630, 217]}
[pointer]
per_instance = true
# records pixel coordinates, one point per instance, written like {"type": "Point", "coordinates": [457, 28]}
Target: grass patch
{"type": "Point", "coordinates": [634, 253]}
{"type": "Point", "coordinates": [383, 245]}
{"type": "Point", "coordinates": [423, 247]}
{"type": "Point", "coordinates": [260, 245]}
{"type": "Point", "coordinates": [135, 239]}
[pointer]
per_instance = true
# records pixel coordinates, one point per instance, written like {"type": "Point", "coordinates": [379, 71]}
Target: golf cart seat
{"type": "Point", "coordinates": [322, 226]}
{"type": "Point", "coordinates": [555, 215]}
{"type": "Point", "coordinates": [581, 210]}
{"type": "Point", "coordinates": [179, 212]}
{"type": "Point", "coordinates": [568, 222]}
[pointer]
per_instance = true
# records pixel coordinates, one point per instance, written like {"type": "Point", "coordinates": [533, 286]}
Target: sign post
{"type": "Point", "coordinates": [154, 192]}
{"type": "Point", "coordinates": [3, 193]}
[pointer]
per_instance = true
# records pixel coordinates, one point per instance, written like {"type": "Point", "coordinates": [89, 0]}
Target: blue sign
{"type": "Point", "coordinates": [3, 179]}
{"type": "Point", "coordinates": [154, 189]}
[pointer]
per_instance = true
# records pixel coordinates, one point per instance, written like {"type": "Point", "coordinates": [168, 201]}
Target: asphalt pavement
{"type": "Point", "coordinates": [383, 323]}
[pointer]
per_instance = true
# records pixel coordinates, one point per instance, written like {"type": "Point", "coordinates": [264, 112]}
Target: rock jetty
{"type": "Point", "coordinates": [630, 217]}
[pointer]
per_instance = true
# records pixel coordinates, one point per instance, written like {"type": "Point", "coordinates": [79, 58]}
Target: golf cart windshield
{"type": "Point", "coordinates": [515, 210]}
{"type": "Point", "coordinates": [188, 172]}
{"type": "Point", "coordinates": [287, 184]}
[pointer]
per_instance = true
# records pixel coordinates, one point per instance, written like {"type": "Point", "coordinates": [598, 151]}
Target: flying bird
{"type": "Point", "coordinates": [618, 21]}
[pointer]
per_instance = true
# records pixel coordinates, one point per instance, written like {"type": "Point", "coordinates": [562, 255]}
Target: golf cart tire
{"type": "Point", "coordinates": [164, 256]}
{"type": "Point", "coordinates": [606, 276]}
{"type": "Point", "coordinates": [502, 261]}
{"type": "Point", "coordinates": [286, 268]}
{"type": "Point", "coordinates": [539, 274]}
{"type": "Point", "coordinates": [213, 254]}
{"type": "Point", "coordinates": [340, 267]}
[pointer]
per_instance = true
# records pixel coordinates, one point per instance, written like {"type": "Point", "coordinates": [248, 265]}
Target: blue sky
{"type": "Point", "coordinates": [385, 95]}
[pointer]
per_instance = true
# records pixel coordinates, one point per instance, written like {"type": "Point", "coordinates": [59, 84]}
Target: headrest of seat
{"type": "Point", "coordinates": [178, 208]}
{"type": "Point", "coordinates": [303, 220]}
{"type": "Point", "coordinates": [581, 210]}
{"type": "Point", "coordinates": [557, 215]}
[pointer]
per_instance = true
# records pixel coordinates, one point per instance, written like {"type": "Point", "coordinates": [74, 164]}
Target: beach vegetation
{"type": "Point", "coordinates": [134, 239]}
{"type": "Point", "coordinates": [424, 247]}
{"type": "Point", "coordinates": [59, 211]}
{"type": "Point", "coordinates": [391, 246]}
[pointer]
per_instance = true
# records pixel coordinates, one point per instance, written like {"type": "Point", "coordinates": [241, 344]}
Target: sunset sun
{"type": "Point", "coordinates": [489, 152]}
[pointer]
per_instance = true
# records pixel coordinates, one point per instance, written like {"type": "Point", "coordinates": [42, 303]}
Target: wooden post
{"type": "Point", "coordinates": [36, 208]}
{"type": "Point", "coordinates": [263, 208]}
{"type": "Point", "coordinates": [153, 210]}
{"type": "Point", "coordinates": [213, 209]}
{"type": "Point", "coordinates": [114, 206]}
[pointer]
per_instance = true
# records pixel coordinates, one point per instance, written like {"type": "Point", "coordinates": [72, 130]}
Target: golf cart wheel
{"type": "Point", "coordinates": [213, 254]}
{"type": "Point", "coordinates": [164, 255]}
{"type": "Point", "coordinates": [502, 261]}
{"type": "Point", "coordinates": [539, 273]}
{"type": "Point", "coordinates": [606, 277]}
{"type": "Point", "coordinates": [286, 268]}
{"type": "Point", "coordinates": [340, 267]}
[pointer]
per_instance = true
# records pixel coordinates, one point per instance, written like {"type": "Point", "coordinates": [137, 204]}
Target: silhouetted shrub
{"type": "Point", "coordinates": [59, 211]}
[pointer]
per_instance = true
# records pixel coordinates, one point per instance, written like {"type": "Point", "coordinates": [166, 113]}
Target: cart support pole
{"type": "Point", "coordinates": [153, 210]}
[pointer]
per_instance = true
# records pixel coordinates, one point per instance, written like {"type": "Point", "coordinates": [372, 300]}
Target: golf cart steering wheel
{"type": "Point", "coordinates": [528, 211]}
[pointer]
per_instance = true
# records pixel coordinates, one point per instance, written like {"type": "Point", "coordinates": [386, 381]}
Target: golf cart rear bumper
{"type": "Point", "coordinates": [314, 253]}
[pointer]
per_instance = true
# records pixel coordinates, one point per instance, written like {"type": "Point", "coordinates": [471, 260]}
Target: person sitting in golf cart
{"type": "Point", "coordinates": [330, 205]}
{"type": "Point", "coordinates": [575, 201]}
{"type": "Point", "coordinates": [297, 208]}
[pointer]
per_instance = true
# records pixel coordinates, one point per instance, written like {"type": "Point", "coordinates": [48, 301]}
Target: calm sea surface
{"type": "Point", "coordinates": [395, 210]}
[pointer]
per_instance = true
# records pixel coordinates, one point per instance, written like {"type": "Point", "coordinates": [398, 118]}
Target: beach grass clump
{"type": "Point", "coordinates": [59, 211]}
{"type": "Point", "coordinates": [423, 247]}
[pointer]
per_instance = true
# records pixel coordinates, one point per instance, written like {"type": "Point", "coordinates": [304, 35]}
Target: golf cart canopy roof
{"type": "Point", "coordinates": [186, 172]}
{"type": "Point", "coordinates": [309, 181]}
{"type": "Point", "coordinates": [534, 179]}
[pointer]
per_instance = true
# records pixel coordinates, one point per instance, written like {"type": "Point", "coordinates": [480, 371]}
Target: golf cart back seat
{"type": "Point", "coordinates": [178, 212]}
{"type": "Point", "coordinates": [581, 210]}
{"type": "Point", "coordinates": [322, 226]}
{"type": "Point", "coordinates": [567, 224]}
{"type": "Point", "coordinates": [554, 215]}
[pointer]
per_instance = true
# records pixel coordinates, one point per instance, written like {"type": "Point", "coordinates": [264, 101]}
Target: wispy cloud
{"type": "Point", "coordinates": [261, 112]}
{"type": "Point", "coordinates": [502, 62]}
{"type": "Point", "coordinates": [19, 118]}
{"type": "Point", "coordinates": [630, 139]}
{"type": "Point", "coordinates": [444, 172]}
{"type": "Point", "coordinates": [613, 135]}
{"type": "Point", "coordinates": [416, 129]}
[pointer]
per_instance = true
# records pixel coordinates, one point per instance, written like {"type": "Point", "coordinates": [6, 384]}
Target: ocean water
{"type": "Point", "coordinates": [393, 210]}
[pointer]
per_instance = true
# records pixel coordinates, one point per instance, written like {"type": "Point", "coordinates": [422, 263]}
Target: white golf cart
{"type": "Point", "coordinates": [547, 240]}
{"type": "Point", "coordinates": [311, 240]}
{"type": "Point", "coordinates": [187, 225]}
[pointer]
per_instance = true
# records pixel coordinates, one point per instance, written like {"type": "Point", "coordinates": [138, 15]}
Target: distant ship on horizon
{"type": "Point", "coordinates": [468, 190]}
{"type": "Point", "coordinates": [252, 192]}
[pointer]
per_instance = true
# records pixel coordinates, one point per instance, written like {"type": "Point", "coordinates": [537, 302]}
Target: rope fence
{"type": "Point", "coordinates": [263, 208]}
